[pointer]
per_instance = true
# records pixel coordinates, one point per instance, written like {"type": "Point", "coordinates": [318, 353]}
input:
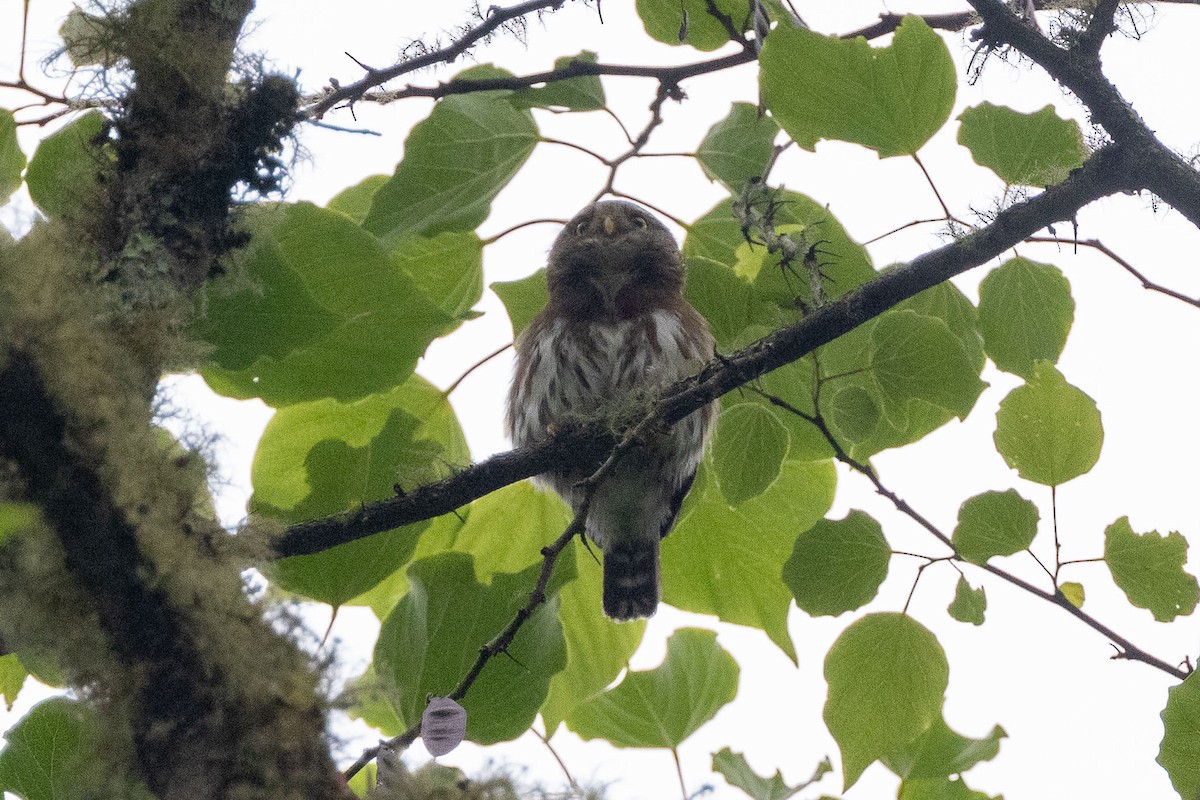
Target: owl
{"type": "Point", "coordinates": [616, 328]}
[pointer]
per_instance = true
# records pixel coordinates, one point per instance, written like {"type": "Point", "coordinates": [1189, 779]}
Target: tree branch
{"type": "Point", "coordinates": [1108, 171]}
{"type": "Point", "coordinates": [194, 734]}
{"type": "Point", "coordinates": [496, 18]}
{"type": "Point", "coordinates": [1164, 172]}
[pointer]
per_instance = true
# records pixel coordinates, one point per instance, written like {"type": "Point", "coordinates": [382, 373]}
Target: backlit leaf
{"type": "Point", "coordinates": [1048, 430]}
{"type": "Point", "coordinates": [664, 706]}
{"type": "Point", "coordinates": [1025, 313]}
{"type": "Point", "coordinates": [994, 524]}
{"type": "Point", "coordinates": [887, 678]}
{"type": "Point", "coordinates": [1149, 569]}
{"type": "Point", "coordinates": [838, 565]}
{"type": "Point", "coordinates": [1038, 149]}
{"type": "Point", "coordinates": [891, 99]}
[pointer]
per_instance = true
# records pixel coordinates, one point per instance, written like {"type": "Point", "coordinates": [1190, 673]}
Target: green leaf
{"type": "Point", "coordinates": [12, 160]}
{"type": "Point", "coordinates": [664, 706]}
{"type": "Point", "coordinates": [455, 163]}
{"type": "Point", "coordinates": [940, 752]}
{"type": "Point", "coordinates": [838, 565]}
{"type": "Point", "coordinates": [583, 93]}
{"type": "Point", "coordinates": [748, 450]}
{"type": "Point", "coordinates": [728, 302]}
{"type": "Point", "coordinates": [12, 678]}
{"type": "Point", "coordinates": [845, 264]}
{"type": "Point", "coordinates": [597, 648]}
{"type": "Point", "coordinates": [968, 604]}
{"type": "Point", "coordinates": [448, 269]}
{"type": "Point", "coordinates": [16, 517]}
{"type": "Point", "coordinates": [756, 536]}
{"type": "Point", "coordinates": [738, 147]}
{"type": "Point", "coordinates": [853, 414]}
{"type": "Point", "coordinates": [1048, 430]}
{"type": "Point", "coordinates": [1149, 569]}
{"type": "Point", "coordinates": [356, 200]}
{"type": "Point", "coordinates": [322, 310]}
{"type": "Point", "coordinates": [737, 773]}
{"type": "Point", "coordinates": [62, 173]}
{"type": "Point", "coordinates": [1073, 592]}
{"type": "Point", "coordinates": [890, 99]}
{"type": "Point", "coordinates": [434, 634]}
{"type": "Point", "coordinates": [994, 524]}
{"type": "Point", "coordinates": [678, 22]}
{"type": "Point", "coordinates": [915, 357]}
{"type": "Point", "coordinates": [47, 753]}
{"type": "Point", "coordinates": [887, 678]}
{"type": "Point", "coordinates": [524, 299]}
{"type": "Point", "coordinates": [1179, 753]}
{"type": "Point", "coordinates": [529, 519]}
{"type": "Point", "coordinates": [1025, 313]}
{"type": "Point", "coordinates": [1038, 149]}
{"type": "Point", "coordinates": [947, 302]}
{"type": "Point", "coordinates": [849, 358]}
{"type": "Point", "coordinates": [326, 457]}
{"type": "Point", "coordinates": [940, 789]}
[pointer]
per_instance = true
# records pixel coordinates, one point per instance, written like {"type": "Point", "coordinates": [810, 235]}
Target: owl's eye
{"type": "Point", "coordinates": [641, 222]}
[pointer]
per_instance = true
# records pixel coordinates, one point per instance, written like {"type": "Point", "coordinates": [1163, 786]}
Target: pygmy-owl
{"type": "Point", "coordinates": [615, 329]}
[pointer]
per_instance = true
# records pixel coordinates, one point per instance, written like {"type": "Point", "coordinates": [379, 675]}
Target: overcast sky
{"type": "Point", "coordinates": [1080, 724]}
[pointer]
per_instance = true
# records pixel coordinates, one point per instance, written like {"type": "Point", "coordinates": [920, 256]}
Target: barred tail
{"type": "Point", "coordinates": [631, 582]}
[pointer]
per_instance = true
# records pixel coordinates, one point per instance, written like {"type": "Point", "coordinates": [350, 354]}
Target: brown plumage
{"type": "Point", "coordinates": [616, 328]}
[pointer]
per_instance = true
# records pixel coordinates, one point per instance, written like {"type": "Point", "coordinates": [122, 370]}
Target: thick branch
{"type": "Point", "coordinates": [1164, 172]}
{"type": "Point", "coordinates": [193, 734]}
{"type": "Point", "coordinates": [1106, 172]}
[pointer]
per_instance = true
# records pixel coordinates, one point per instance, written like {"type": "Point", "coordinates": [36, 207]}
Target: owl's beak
{"type": "Point", "coordinates": [610, 225]}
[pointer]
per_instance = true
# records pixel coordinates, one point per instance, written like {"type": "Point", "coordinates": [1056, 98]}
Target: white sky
{"type": "Point", "coordinates": [1079, 724]}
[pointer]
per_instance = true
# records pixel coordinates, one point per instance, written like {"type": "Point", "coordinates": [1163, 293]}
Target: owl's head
{"type": "Point", "coordinates": [615, 259]}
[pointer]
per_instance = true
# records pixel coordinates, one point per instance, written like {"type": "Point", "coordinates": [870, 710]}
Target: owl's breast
{"type": "Point", "coordinates": [579, 369]}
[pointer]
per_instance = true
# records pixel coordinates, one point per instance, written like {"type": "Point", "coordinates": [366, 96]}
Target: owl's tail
{"type": "Point", "coordinates": [631, 582]}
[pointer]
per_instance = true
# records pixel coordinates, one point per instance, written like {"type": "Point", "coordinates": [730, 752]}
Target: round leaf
{"type": "Point", "coordinates": [1073, 592]}
{"type": "Point", "coordinates": [1038, 149]}
{"type": "Point", "coordinates": [62, 173]}
{"type": "Point", "coordinates": [1025, 313]}
{"type": "Point", "coordinates": [1149, 569]}
{"type": "Point", "coordinates": [890, 99]}
{"type": "Point", "coordinates": [915, 357]}
{"type": "Point", "coordinates": [664, 706]}
{"type": "Point", "coordinates": [1179, 752]}
{"type": "Point", "coordinates": [838, 565]}
{"type": "Point", "coordinates": [748, 450]}
{"type": "Point", "coordinates": [994, 524]}
{"type": "Point", "coordinates": [738, 147]}
{"type": "Point", "coordinates": [887, 678]}
{"type": "Point", "coordinates": [1048, 430]}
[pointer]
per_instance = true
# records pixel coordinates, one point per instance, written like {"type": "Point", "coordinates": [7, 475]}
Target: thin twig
{"type": "Point", "coordinates": [1096, 244]}
{"type": "Point", "coordinates": [561, 764]}
{"type": "Point", "coordinates": [496, 17]}
{"type": "Point", "coordinates": [1127, 649]}
{"type": "Point", "coordinates": [450, 389]}
{"type": "Point", "coordinates": [497, 645]}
